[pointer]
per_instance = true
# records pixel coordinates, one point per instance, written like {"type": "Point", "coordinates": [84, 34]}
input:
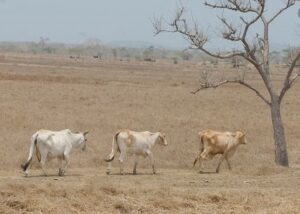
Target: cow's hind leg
{"type": "Point", "coordinates": [121, 162]}
{"type": "Point", "coordinates": [200, 163]}
{"type": "Point", "coordinates": [43, 163]}
{"type": "Point", "coordinates": [204, 156]}
{"type": "Point", "coordinates": [109, 167]}
{"type": "Point", "coordinates": [198, 158]}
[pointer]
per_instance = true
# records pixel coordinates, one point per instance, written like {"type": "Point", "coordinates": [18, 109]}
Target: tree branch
{"type": "Point", "coordinates": [241, 82]}
{"type": "Point", "coordinates": [294, 79]}
{"type": "Point", "coordinates": [234, 5]}
{"type": "Point", "coordinates": [289, 3]}
{"type": "Point", "coordinates": [288, 80]}
{"type": "Point", "coordinates": [193, 35]}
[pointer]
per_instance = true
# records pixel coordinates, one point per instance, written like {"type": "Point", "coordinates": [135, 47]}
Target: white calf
{"type": "Point", "coordinates": [134, 143]}
{"type": "Point", "coordinates": [50, 144]}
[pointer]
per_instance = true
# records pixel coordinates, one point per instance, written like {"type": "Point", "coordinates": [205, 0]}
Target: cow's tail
{"type": "Point", "coordinates": [31, 151]}
{"type": "Point", "coordinates": [201, 148]}
{"type": "Point", "coordinates": [115, 147]}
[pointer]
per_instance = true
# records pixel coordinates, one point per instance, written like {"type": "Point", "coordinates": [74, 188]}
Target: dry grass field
{"type": "Point", "coordinates": [104, 96]}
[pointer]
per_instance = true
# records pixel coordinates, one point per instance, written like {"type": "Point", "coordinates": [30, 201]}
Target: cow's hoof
{"type": "Point", "coordinates": [108, 173]}
{"type": "Point", "coordinates": [61, 172]}
{"type": "Point", "coordinates": [134, 173]}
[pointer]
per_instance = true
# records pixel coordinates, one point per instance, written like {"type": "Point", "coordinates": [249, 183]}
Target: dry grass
{"type": "Point", "coordinates": [103, 96]}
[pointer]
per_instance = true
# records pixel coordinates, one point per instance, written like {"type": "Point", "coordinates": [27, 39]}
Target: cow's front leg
{"type": "Point", "coordinates": [228, 163]}
{"type": "Point", "coordinates": [135, 165]}
{"type": "Point", "coordinates": [67, 162]}
{"type": "Point", "coordinates": [150, 155]}
{"type": "Point", "coordinates": [60, 170]}
{"type": "Point", "coordinates": [219, 164]}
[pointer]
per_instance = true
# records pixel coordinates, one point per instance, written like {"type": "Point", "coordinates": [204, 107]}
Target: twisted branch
{"type": "Point", "coordinates": [241, 82]}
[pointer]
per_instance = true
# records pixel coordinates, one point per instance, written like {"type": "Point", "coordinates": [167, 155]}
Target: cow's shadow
{"type": "Point", "coordinates": [131, 174]}
{"type": "Point", "coordinates": [53, 176]}
{"type": "Point", "coordinates": [208, 172]}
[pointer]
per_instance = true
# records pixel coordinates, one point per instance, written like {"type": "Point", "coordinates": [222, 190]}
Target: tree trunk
{"type": "Point", "coordinates": [281, 155]}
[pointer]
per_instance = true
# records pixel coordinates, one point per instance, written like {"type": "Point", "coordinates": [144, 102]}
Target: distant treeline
{"type": "Point", "coordinates": [96, 50]}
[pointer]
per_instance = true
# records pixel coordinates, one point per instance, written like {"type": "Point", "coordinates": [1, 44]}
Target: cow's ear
{"type": "Point", "coordinates": [161, 134]}
{"type": "Point", "coordinates": [85, 133]}
{"type": "Point", "coordinates": [241, 134]}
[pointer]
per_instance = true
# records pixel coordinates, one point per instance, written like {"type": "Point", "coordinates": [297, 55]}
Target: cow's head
{"type": "Point", "coordinates": [84, 139]}
{"type": "Point", "coordinates": [241, 137]}
{"type": "Point", "coordinates": [163, 140]}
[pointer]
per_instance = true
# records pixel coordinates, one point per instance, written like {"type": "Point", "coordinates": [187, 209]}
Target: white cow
{"type": "Point", "coordinates": [134, 143]}
{"type": "Point", "coordinates": [224, 143]}
{"type": "Point", "coordinates": [50, 144]}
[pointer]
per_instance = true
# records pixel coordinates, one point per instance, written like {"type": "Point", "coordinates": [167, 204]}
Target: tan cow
{"type": "Point", "coordinates": [134, 143]}
{"type": "Point", "coordinates": [224, 143]}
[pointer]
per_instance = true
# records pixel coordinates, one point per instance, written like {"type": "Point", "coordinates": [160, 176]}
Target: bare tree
{"type": "Point", "coordinates": [257, 52]}
{"type": "Point", "coordinates": [42, 42]}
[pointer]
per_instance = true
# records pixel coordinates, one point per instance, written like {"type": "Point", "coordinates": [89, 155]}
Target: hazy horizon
{"type": "Point", "coordinates": [75, 21]}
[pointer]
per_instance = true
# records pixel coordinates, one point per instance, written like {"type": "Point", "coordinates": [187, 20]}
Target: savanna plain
{"type": "Point", "coordinates": [55, 92]}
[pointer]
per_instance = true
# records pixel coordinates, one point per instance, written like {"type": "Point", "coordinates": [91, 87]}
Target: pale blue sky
{"type": "Point", "coordinates": [74, 21]}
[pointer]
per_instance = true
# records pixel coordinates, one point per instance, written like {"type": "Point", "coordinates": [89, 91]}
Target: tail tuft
{"type": "Point", "coordinates": [31, 150]}
{"type": "Point", "coordinates": [25, 166]}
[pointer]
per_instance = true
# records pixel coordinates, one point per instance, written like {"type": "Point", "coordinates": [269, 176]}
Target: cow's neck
{"type": "Point", "coordinates": [155, 138]}
{"type": "Point", "coordinates": [75, 140]}
{"type": "Point", "coordinates": [236, 142]}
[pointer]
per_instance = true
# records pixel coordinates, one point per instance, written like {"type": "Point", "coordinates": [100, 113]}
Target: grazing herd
{"type": "Point", "coordinates": [59, 144]}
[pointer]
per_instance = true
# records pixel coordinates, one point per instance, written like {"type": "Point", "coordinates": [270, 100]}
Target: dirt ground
{"type": "Point", "coordinates": [103, 96]}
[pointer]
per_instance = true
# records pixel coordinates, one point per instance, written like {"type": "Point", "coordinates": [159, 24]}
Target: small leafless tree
{"type": "Point", "coordinates": [42, 42]}
{"type": "Point", "coordinates": [255, 50]}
